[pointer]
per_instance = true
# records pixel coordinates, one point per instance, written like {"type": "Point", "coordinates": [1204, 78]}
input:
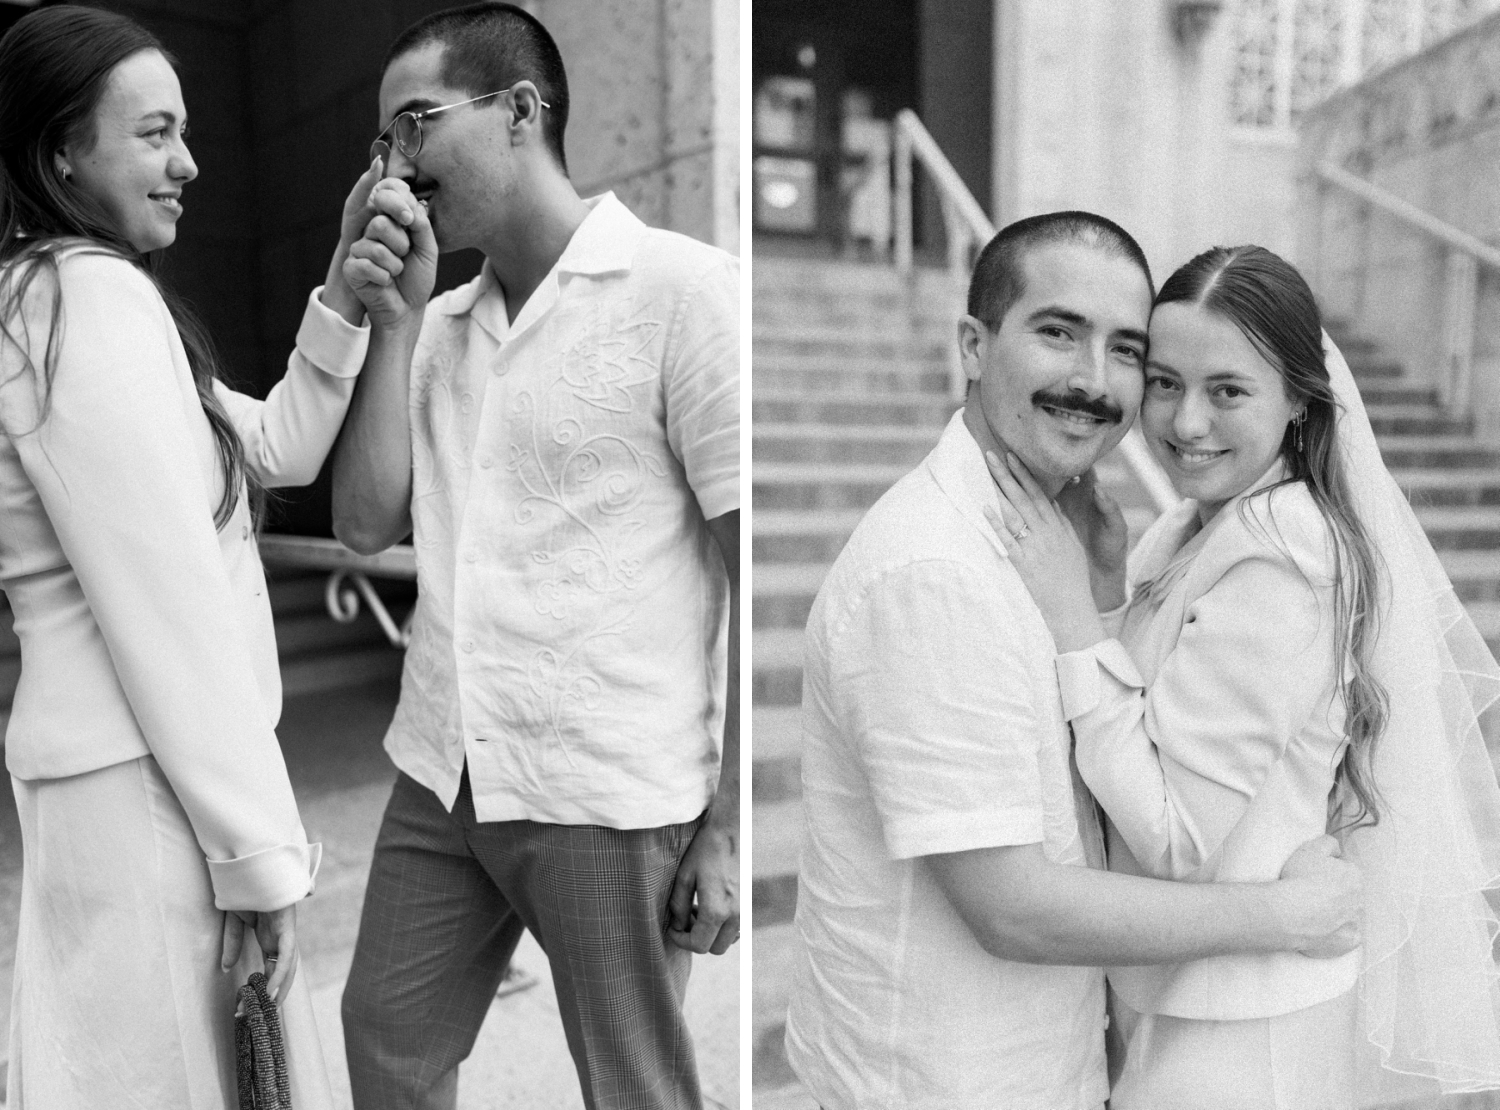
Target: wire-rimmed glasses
{"type": "Point", "coordinates": [406, 128]}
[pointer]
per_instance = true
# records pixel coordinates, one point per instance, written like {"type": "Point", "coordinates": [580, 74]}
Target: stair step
{"type": "Point", "coordinates": [866, 339]}
{"type": "Point", "coordinates": [777, 828]}
{"type": "Point", "coordinates": [783, 593]}
{"type": "Point", "coordinates": [1411, 451]}
{"type": "Point", "coordinates": [852, 443]}
{"type": "Point", "coordinates": [315, 632]}
{"type": "Point", "coordinates": [1475, 574]}
{"type": "Point", "coordinates": [787, 406]}
{"type": "Point", "coordinates": [777, 671]}
{"type": "Point", "coordinates": [318, 673]}
{"type": "Point", "coordinates": [794, 536]}
{"type": "Point", "coordinates": [1405, 419]}
{"type": "Point", "coordinates": [1458, 487]}
{"type": "Point", "coordinates": [823, 487]}
{"type": "Point", "coordinates": [1461, 526]}
{"type": "Point", "coordinates": [820, 376]}
{"type": "Point", "coordinates": [1379, 392]}
{"type": "Point", "coordinates": [777, 731]}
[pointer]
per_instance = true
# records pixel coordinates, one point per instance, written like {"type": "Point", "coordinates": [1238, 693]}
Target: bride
{"type": "Point", "coordinates": [157, 821]}
{"type": "Point", "coordinates": [1292, 657]}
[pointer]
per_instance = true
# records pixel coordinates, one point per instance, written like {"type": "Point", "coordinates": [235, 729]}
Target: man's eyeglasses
{"type": "Point", "coordinates": [406, 129]}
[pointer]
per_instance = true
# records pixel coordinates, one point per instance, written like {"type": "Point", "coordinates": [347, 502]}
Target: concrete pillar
{"type": "Point", "coordinates": [655, 107]}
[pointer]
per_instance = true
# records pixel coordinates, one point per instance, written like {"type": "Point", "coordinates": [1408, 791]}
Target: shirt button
{"type": "Point", "coordinates": [468, 402]}
{"type": "Point", "coordinates": [471, 556]}
{"type": "Point", "coordinates": [468, 646]}
{"type": "Point", "coordinates": [486, 461]}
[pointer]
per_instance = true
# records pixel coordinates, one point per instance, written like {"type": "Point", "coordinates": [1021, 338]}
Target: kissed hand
{"type": "Point", "coordinates": [391, 267]}
{"type": "Point", "coordinates": [1047, 554]}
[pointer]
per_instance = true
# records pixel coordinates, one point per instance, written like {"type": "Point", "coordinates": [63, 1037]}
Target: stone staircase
{"type": "Point", "coordinates": [850, 392]}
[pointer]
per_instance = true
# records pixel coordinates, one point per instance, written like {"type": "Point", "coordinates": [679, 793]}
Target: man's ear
{"type": "Point", "coordinates": [973, 337]}
{"type": "Point", "coordinates": [526, 105]}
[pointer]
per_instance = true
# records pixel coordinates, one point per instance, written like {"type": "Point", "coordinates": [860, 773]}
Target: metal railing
{"type": "Point", "coordinates": [1463, 256]}
{"type": "Point", "coordinates": [968, 229]}
{"type": "Point", "coordinates": [349, 576]}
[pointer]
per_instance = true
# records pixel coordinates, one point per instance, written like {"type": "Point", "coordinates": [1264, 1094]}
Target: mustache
{"type": "Point", "coordinates": [1098, 408]}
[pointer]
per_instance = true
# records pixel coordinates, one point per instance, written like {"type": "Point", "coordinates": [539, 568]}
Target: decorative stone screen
{"type": "Point", "coordinates": [1290, 54]}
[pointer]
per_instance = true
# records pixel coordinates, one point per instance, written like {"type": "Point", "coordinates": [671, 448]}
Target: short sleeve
{"type": "Point", "coordinates": [929, 671]}
{"type": "Point", "coordinates": [703, 387]}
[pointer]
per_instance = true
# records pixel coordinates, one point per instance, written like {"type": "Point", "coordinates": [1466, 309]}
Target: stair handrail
{"type": "Point", "coordinates": [347, 568]}
{"type": "Point", "coordinates": [968, 230]}
{"type": "Point", "coordinates": [1409, 213]}
{"type": "Point", "coordinates": [1465, 254]}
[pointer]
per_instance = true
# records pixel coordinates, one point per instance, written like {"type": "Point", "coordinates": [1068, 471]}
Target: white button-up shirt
{"type": "Point", "coordinates": [570, 636]}
{"type": "Point", "coordinates": [932, 724]}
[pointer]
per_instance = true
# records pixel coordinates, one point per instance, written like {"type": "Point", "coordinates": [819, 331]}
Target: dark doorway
{"type": "Point", "coordinates": [829, 76]}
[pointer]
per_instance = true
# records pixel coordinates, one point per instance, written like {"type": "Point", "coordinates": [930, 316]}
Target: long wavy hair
{"type": "Point", "coordinates": [1267, 299]}
{"type": "Point", "coordinates": [54, 66]}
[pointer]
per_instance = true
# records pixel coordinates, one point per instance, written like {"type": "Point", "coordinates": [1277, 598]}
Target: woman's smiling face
{"type": "Point", "coordinates": [1215, 410]}
{"type": "Point", "coordinates": [136, 161]}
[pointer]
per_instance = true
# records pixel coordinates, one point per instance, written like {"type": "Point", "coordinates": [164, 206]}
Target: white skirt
{"type": "Point", "coordinates": [1298, 1061]}
{"type": "Point", "coordinates": [119, 1000]}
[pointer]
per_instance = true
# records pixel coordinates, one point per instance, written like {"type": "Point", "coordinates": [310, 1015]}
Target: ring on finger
{"type": "Point", "coordinates": [1025, 531]}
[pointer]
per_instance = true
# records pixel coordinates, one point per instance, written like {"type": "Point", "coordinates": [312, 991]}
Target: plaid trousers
{"type": "Point", "coordinates": [447, 900]}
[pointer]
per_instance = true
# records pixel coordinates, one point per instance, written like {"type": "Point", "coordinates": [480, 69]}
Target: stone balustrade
{"type": "Point", "coordinates": [1426, 131]}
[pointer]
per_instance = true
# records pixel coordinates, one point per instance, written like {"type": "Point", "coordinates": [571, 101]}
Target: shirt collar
{"type": "Point", "coordinates": [957, 466]}
{"type": "Point", "coordinates": [604, 243]}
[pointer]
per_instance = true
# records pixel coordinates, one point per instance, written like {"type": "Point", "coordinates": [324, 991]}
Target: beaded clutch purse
{"type": "Point", "coordinates": [260, 1056]}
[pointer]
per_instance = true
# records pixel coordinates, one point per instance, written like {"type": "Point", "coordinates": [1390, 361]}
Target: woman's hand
{"type": "Point", "coordinates": [1047, 554]}
{"type": "Point", "coordinates": [1099, 523]}
{"type": "Point", "coordinates": [276, 932]}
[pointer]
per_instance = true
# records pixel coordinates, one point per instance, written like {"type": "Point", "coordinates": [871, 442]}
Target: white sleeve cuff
{"type": "Point", "coordinates": [330, 342]}
{"type": "Point", "coordinates": [1114, 620]}
{"type": "Point", "coordinates": [268, 880]}
{"type": "Point", "coordinates": [1079, 677]}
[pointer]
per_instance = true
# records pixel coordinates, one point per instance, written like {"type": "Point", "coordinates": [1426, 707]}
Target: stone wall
{"type": "Point", "coordinates": [1099, 106]}
{"type": "Point", "coordinates": [1428, 131]}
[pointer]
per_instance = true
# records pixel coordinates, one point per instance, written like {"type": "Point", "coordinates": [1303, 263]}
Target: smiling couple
{"type": "Point", "coordinates": [1288, 661]}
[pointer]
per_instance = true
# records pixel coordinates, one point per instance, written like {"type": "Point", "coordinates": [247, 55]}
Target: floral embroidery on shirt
{"type": "Point", "coordinates": [560, 685]}
{"type": "Point", "coordinates": [580, 470]}
{"type": "Point", "coordinates": [607, 362]}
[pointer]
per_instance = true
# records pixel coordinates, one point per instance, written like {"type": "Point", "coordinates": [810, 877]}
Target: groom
{"type": "Point", "coordinates": [952, 910]}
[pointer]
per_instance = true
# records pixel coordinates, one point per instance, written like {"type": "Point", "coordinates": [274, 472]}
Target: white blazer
{"type": "Point", "coordinates": [143, 630]}
{"type": "Point", "coordinates": [1212, 744]}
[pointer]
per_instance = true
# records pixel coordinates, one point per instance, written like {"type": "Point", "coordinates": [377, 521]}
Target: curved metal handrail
{"type": "Point", "coordinates": [349, 576]}
{"type": "Point", "coordinates": [968, 229]}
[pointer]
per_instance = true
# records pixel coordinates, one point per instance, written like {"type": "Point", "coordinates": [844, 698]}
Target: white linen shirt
{"type": "Point", "coordinates": [931, 723]}
{"type": "Point", "coordinates": [570, 634]}
{"type": "Point", "coordinates": [1211, 736]}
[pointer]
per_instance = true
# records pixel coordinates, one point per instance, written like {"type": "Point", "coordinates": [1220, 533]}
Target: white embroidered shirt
{"type": "Point", "coordinates": [570, 637]}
